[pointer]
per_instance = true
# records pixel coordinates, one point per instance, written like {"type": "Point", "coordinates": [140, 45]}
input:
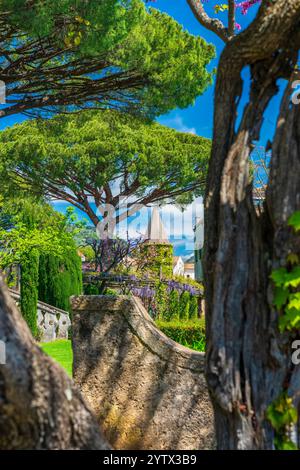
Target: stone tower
{"type": "Point", "coordinates": [156, 248]}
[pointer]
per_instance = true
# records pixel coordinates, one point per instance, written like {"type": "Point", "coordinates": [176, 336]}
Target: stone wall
{"type": "Point", "coordinates": [147, 391]}
{"type": "Point", "coordinates": [53, 323]}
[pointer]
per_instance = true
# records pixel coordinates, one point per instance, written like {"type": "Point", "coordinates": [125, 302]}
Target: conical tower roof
{"type": "Point", "coordinates": [156, 232]}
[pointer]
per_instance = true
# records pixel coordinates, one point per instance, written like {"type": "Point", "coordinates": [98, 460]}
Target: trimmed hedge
{"type": "Point", "coordinates": [184, 306]}
{"type": "Point", "coordinates": [189, 333]}
{"type": "Point", "coordinates": [174, 305]}
{"type": "Point", "coordinates": [193, 309]}
{"type": "Point", "coordinates": [29, 290]}
{"type": "Point", "coordinates": [59, 279]}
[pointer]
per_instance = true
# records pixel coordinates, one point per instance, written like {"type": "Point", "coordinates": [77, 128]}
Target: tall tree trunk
{"type": "Point", "coordinates": [40, 408]}
{"type": "Point", "coordinates": [248, 359]}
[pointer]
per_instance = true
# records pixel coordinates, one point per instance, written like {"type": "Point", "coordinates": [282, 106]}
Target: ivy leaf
{"type": "Point", "coordinates": [294, 301]}
{"type": "Point", "coordinates": [292, 278]}
{"type": "Point", "coordinates": [294, 221]}
{"type": "Point", "coordinates": [284, 444]}
{"type": "Point", "coordinates": [280, 297]}
{"type": "Point", "coordinates": [290, 320]}
{"type": "Point", "coordinates": [278, 276]}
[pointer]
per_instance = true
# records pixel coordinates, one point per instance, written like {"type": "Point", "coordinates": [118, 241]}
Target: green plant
{"type": "Point", "coordinates": [174, 307]}
{"type": "Point", "coordinates": [282, 414]}
{"type": "Point", "coordinates": [287, 283]}
{"type": "Point", "coordinates": [190, 333]}
{"type": "Point", "coordinates": [156, 259]}
{"type": "Point", "coordinates": [149, 159]}
{"type": "Point", "coordinates": [90, 289]}
{"type": "Point", "coordinates": [29, 290]}
{"type": "Point", "coordinates": [184, 306]}
{"type": "Point", "coordinates": [161, 300]}
{"type": "Point", "coordinates": [193, 310]}
{"type": "Point", "coordinates": [109, 291]}
{"type": "Point", "coordinates": [60, 278]}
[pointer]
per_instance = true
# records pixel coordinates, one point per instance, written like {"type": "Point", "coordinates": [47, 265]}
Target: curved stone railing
{"type": "Point", "coordinates": [53, 323]}
{"type": "Point", "coordinates": [147, 391]}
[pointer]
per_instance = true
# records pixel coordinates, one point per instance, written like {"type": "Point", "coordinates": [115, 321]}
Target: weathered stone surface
{"type": "Point", "coordinates": [147, 391]}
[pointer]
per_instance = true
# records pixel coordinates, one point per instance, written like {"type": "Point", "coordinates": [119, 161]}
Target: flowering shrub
{"type": "Point", "coordinates": [169, 300]}
{"type": "Point", "coordinates": [165, 299]}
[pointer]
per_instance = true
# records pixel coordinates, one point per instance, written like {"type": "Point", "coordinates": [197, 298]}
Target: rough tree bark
{"type": "Point", "coordinates": [248, 360]}
{"type": "Point", "coordinates": [40, 408]}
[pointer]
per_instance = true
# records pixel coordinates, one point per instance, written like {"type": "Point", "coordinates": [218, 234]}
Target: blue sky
{"type": "Point", "coordinates": [199, 118]}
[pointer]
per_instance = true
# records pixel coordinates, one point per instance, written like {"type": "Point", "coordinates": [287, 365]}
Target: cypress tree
{"type": "Point", "coordinates": [29, 290]}
{"type": "Point", "coordinates": [184, 305]}
{"type": "Point", "coordinates": [60, 278]}
{"type": "Point", "coordinates": [193, 310]}
{"type": "Point", "coordinates": [174, 310]}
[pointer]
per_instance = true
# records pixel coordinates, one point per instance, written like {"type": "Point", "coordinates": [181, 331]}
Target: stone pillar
{"type": "Point", "coordinates": [147, 391]}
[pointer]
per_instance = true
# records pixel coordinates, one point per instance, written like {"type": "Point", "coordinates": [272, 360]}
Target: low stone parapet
{"type": "Point", "coordinates": [147, 391]}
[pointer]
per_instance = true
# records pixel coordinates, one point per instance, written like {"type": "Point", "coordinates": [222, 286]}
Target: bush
{"type": "Point", "coordinates": [109, 291]}
{"type": "Point", "coordinates": [161, 301]}
{"type": "Point", "coordinates": [60, 278]}
{"type": "Point", "coordinates": [90, 289]}
{"type": "Point", "coordinates": [174, 307]}
{"type": "Point", "coordinates": [193, 311]}
{"type": "Point", "coordinates": [190, 333]}
{"type": "Point", "coordinates": [29, 290]}
{"type": "Point", "coordinates": [184, 306]}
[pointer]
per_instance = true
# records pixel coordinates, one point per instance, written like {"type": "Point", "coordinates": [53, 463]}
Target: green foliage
{"type": "Point", "coordinates": [37, 228]}
{"type": "Point", "coordinates": [161, 300]}
{"type": "Point", "coordinates": [166, 65]}
{"type": "Point", "coordinates": [102, 24]}
{"type": "Point", "coordinates": [29, 289]}
{"type": "Point", "coordinates": [34, 225]}
{"type": "Point", "coordinates": [287, 283]}
{"type": "Point", "coordinates": [184, 306]}
{"type": "Point", "coordinates": [157, 259]}
{"type": "Point", "coordinates": [83, 153]}
{"type": "Point", "coordinates": [190, 333]}
{"type": "Point", "coordinates": [109, 291]}
{"type": "Point", "coordinates": [282, 414]}
{"type": "Point", "coordinates": [60, 278]}
{"type": "Point", "coordinates": [90, 289]}
{"type": "Point", "coordinates": [294, 221]}
{"type": "Point", "coordinates": [189, 281]}
{"type": "Point", "coordinates": [193, 309]}
{"type": "Point", "coordinates": [174, 305]}
{"type": "Point", "coordinates": [88, 252]}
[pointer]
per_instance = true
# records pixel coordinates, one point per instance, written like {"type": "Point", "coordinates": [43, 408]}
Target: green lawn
{"type": "Point", "coordinates": [61, 351]}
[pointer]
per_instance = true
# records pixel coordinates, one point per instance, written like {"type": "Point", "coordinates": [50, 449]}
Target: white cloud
{"type": "Point", "coordinates": [177, 123]}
